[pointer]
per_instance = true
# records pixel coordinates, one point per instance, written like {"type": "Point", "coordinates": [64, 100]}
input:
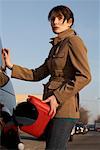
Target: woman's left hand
{"type": "Point", "coordinates": [53, 105]}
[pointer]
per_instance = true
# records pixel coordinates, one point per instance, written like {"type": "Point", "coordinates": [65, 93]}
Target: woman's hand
{"type": "Point", "coordinates": [6, 55]}
{"type": "Point", "coordinates": [53, 105]}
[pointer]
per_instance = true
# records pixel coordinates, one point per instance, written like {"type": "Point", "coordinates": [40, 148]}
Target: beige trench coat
{"type": "Point", "coordinates": [67, 65]}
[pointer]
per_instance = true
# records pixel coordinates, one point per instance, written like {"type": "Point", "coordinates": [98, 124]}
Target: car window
{"type": "Point", "coordinates": [3, 76]}
{"type": "Point", "coordinates": [7, 94]}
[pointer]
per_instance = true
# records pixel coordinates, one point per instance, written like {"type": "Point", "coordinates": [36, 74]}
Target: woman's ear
{"type": "Point", "coordinates": [70, 22]}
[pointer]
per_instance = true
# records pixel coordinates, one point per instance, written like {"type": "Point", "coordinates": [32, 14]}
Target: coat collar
{"type": "Point", "coordinates": [62, 36]}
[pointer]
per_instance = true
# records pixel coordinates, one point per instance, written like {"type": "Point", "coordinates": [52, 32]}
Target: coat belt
{"type": "Point", "coordinates": [57, 73]}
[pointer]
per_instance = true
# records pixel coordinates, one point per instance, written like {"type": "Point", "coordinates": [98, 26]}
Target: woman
{"type": "Point", "coordinates": [67, 65]}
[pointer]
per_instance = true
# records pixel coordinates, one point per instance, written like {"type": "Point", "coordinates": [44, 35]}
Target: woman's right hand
{"type": "Point", "coordinates": [6, 55]}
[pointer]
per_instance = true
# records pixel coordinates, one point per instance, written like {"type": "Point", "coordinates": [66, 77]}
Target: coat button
{"type": "Point", "coordinates": [54, 56]}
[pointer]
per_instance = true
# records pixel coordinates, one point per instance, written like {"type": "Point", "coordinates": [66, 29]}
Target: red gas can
{"type": "Point", "coordinates": [37, 128]}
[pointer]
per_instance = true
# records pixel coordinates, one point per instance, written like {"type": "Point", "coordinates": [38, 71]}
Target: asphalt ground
{"type": "Point", "coordinates": [89, 141]}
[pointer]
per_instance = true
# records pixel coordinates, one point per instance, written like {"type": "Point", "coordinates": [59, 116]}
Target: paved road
{"type": "Point", "coordinates": [89, 141]}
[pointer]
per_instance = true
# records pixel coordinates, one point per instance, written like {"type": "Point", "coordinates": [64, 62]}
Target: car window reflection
{"type": "Point", "coordinates": [3, 78]}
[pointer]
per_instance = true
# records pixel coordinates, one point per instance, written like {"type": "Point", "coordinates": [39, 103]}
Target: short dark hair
{"type": "Point", "coordinates": [61, 10]}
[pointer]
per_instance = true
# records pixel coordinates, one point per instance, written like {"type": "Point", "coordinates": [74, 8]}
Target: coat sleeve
{"type": "Point", "coordinates": [78, 56]}
{"type": "Point", "coordinates": [30, 74]}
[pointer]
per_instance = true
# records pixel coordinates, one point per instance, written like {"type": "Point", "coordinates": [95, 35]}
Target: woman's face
{"type": "Point", "coordinates": [58, 24]}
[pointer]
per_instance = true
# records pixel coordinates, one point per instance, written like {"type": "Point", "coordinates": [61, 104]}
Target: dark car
{"type": "Point", "coordinates": [91, 127]}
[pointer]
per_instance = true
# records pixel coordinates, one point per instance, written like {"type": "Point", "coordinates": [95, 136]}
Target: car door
{"type": "Point", "coordinates": [7, 94]}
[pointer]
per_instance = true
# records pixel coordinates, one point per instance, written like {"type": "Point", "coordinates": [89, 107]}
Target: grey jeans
{"type": "Point", "coordinates": [58, 133]}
